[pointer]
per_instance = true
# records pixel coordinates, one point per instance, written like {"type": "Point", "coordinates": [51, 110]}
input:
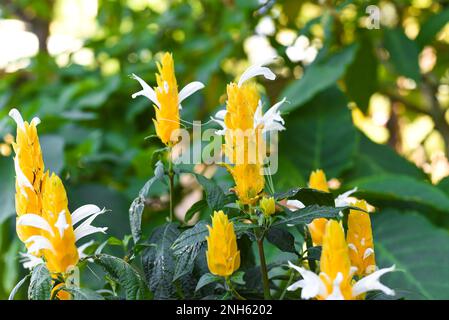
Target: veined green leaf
{"type": "Point", "coordinates": [125, 275]}
{"type": "Point", "coordinates": [419, 250]}
{"type": "Point", "coordinates": [40, 283]}
{"type": "Point", "coordinates": [307, 214]}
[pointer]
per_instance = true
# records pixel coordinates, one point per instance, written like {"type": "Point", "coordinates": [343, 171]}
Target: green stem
{"type": "Point", "coordinates": [232, 290]}
{"type": "Point", "coordinates": [287, 284]}
{"type": "Point", "coordinates": [263, 270]}
{"type": "Point", "coordinates": [309, 244]}
{"type": "Point", "coordinates": [171, 178]}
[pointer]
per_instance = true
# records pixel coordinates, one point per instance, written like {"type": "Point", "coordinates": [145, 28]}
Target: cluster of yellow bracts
{"type": "Point", "coordinates": [45, 224]}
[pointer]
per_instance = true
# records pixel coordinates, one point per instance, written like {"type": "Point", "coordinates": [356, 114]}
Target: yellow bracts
{"type": "Point", "coordinates": [360, 240]}
{"type": "Point", "coordinates": [63, 253]}
{"type": "Point", "coordinates": [318, 181]}
{"type": "Point", "coordinates": [335, 265]}
{"type": "Point", "coordinates": [167, 113]}
{"type": "Point", "coordinates": [29, 167]}
{"type": "Point", "coordinates": [223, 257]}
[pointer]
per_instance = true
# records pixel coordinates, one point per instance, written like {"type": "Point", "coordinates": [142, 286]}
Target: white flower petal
{"type": "Point", "coordinates": [15, 114]}
{"type": "Point", "coordinates": [86, 228]}
{"type": "Point", "coordinates": [83, 247]}
{"type": "Point", "coordinates": [254, 71]}
{"type": "Point", "coordinates": [189, 89]}
{"type": "Point", "coordinates": [336, 291]}
{"type": "Point", "coordinates": [221, 114]}
{"type": "Point", "coordinates": [34, 220]}
{"type": "Point", "coordinates": [295, 204]}
{"type": "Point", "coordinates": [371, 282]}
{"type": "Point", "coordinates": [61, 223]}
{"type": "Point", "coordinates": [341, 200]}
{"type": "Point", "coordinates": [311, 283]}
{"type": "Point", "coordinates": [84, 212]}
{"type": "Point", "coordinates": [35, 121]}
{"type": "Point", "coordinates": [39, 243]}
{"type": "Point", "coordinates": [29, 261]}
{"type": "Point", "coordinates": [22, 180]}
{"type": "Point", "coordinates": [146, 91]}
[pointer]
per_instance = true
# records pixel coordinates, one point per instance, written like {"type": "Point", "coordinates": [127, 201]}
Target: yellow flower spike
{"type": "Point", "coordinates": [360, 240]}
{"type": "Point", "coordinates": [63, 253]}
{"type": "Point", "coordinates": [335, 265]}
{"type": "Point", "coordinates": [318, 181]}
{"type": "Point", "coordinates": [29, 167]}
{"type": "Point", "coordinates": [268, 206]}
{"type": "Point", "coordinates": [166, 98]}
{"type": "Point", "coordinates": [167, 115]}
{"type": "Point", "coordinates": [249, 183]}
{"type": "Point", "coordinates": [223, 257]}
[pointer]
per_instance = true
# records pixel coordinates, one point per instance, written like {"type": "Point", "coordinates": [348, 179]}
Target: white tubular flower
{"type": "Point", "coordinates": [295, 205]}
{"type": "Point", "coordinates": [90, 212]}
{"type": "Point", "coordinates": [148, 91]}
{"type": "Point", "coordinates": [371, 282]}
{"type": "Point", "coordinates": [310, 283]}
{"type": "Point", "coordinates": [313, 286]}
{"type": "Point", "coordinates": [29, 261]}
{"type": "Point", "coordinates": [271, 120]}
{"type": "Point", "coordinates": [342, 199]}
{"type": "Point", "coordinates": [254, 71]}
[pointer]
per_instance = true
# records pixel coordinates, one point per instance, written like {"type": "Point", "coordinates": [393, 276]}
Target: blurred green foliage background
{"type": "Point", "coordinates": [368, 105]}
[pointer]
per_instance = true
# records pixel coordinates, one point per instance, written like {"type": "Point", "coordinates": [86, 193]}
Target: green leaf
{"type": "Point", "coordinates": [238, 278]}
{"type": "Point", "coordinates": [196, 207]}
{"type": "Point", "coordinates": [125, 275]}
{"type": "Point", "coordinates": [307, 214]}
{"type": "Point", "coordinates": [206, 279]}
{"type": "Point", "coordinates": [136, 210]}
{"type": "Point", "coordinates": [40, 283]}
{"type": "Point", "coordinates": [282, 239]}
{"type": "Point", "coordinates": [402, 188]}
{"type": "Point", "coordinates": [159, 261]}
{"type": "Point", "coordinates": [314, 253]}
{"type": "Point", "coordinates": [187, 247]}
{"type": "Point", "coordinates": [308, 196]}
{"type": "Point", "coordinates": [7, 185]}
{"type": "Point", "coordinates": [324, 136]}
{"type": "Point", "coordinates": [215, 196]}
{"type": "Point", "coordinates": [403, 53]}
{"type": "Point", "coordinates": [363, 67]}
{"type": "Point", "coordinates": [419, 250]}
{"type": "Point", "coordinates": [18, 286]}
{"type": "Point", "coordinates": [375, 159]}
{"type": "Point", "coordinates": [431, 27]}
{"type": "Point", "coordinates": [53, 152]}
{"type": "Point", "coordinates": [83, 293]}
{"type": "Point", "coordinates": [318, 76]}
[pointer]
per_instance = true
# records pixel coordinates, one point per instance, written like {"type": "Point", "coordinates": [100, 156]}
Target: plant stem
{"type": "Point", "coordinates": [287, 285]}
{"type": "Point", "coordinates": [171, 178]}
{"type": "Point", "coordinates": [263, 270]}
{"type": "Point", "coordinates": [232, 290]}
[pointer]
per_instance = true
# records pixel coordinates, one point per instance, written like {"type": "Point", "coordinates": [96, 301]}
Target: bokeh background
{"type": "Point", "coordinates": [369, 106]}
